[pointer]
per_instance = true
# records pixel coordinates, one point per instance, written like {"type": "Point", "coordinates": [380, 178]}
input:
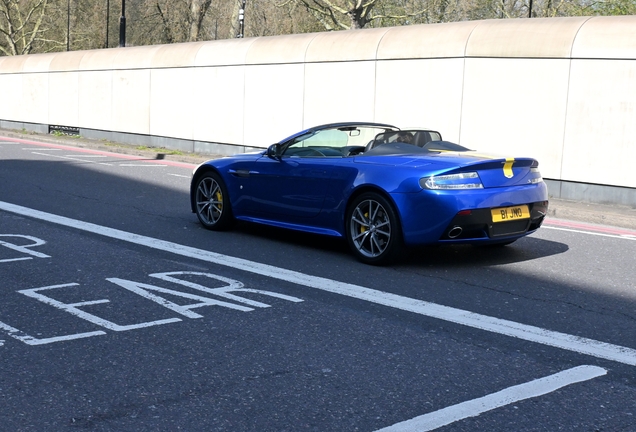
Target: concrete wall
{"type": "Point", "coordinates": [562, 90]}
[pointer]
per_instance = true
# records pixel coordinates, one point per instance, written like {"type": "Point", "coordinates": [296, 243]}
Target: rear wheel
{"type": "Point", "coordinates": [212, 202]}
{"type": "Point", "coordinates": [373, 229]}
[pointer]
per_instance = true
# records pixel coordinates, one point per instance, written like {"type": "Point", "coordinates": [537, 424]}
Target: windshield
{"type": "Point", "coordinates": [336, 142]}
{"type": "Point", "coordinates": [351, 140]}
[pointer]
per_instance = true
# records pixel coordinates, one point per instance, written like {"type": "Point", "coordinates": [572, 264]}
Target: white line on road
{"type": "Point", "coordinates": [475, 407]}
{"type": "Point", "coordinates": [620, 236]}
{"type": "Point", "coordinates": [179, 175]}
{"type": "Point", "coordinates": [71, 158]}
{"type": "Point", "coordinates": [142, 165]}
{"type": "Point", "coordinates": [496, 325]}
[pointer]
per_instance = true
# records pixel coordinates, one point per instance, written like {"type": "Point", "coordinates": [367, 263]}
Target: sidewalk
{"type": "Point", "coordinates": [602, 214]}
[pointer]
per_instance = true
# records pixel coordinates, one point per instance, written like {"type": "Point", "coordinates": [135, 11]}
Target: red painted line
{"type": "Point", "coordinates": [589, 227]}
{"type": "Point", "coordinates": [101, 153]}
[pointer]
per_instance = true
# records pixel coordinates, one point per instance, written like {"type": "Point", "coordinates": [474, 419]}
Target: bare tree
{"type": "Point", "coordinates": [35, 26]}
{"type": "Point", "coordinates": [21, 25]}
{"type": "Point", "coordinates": [198, 10]}
{"type": "Point", "coordinates": [234, 15]}
{"type": "Point", "coordinates": [352, 14]}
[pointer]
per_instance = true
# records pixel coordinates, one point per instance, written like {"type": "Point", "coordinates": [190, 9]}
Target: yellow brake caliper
{"type": "Point", "coordinates": [362, 228]}
{"type": "Point", "coordinates": [219, 198]}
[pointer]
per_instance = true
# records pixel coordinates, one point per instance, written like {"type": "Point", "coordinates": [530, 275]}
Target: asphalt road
{"type": "Point", "coordinates": [118, 312]}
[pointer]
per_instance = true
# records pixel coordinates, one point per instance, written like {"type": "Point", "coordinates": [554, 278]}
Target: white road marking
{"type": "Point", "coordinates": [23, 249]}
{"type": "Point", "coordinates": [72, 158]}
{"type": "Point", "coordinates": [475, 407]}
{"type": "Point", "coordinates": [179, 175]}
{"type": "Point", "coordinates": [85, 156]}
{"type": "Point", "coordinates": [621, 236]}
{"type": "Point", "coordinates": [41, 149]}
{"type": "Point", "coordinates": [30, 340]}
{"type": "Point", "coordinates": [530, 333]}
{"type": "Point", "coordinates": [73, 309]}
{"type": "Point", "coordinates": [142, 165]}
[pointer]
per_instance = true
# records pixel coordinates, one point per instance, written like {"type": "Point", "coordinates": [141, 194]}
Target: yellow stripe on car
{"type": "Point", "coordinates": [507, 168]}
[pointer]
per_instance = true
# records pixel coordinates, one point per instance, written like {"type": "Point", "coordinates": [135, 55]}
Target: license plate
{"type": "Point", "coordinates": [506, 214]}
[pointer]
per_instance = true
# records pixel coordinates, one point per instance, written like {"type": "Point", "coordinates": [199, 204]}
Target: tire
{"type": "Point", "coordinates": [212, 203]}
{"type": "Point", "coordinates": [373, 229]}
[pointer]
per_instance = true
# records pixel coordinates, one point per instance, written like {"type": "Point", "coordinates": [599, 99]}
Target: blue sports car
{"type": "Point", "coordinates": [380, 187]}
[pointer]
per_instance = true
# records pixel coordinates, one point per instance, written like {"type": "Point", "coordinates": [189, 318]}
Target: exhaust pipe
{"type": "Point", "coordinates": [455, 232]}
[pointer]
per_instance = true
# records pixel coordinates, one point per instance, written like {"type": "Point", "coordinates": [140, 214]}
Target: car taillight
{"type": "Point", "coordinates": [459, 181]}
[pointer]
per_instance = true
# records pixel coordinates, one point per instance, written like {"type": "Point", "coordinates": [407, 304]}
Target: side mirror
{"type": "Point", "coordinates": [274, 151]}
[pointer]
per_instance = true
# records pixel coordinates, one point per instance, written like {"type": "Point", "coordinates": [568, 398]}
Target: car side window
{"type": "Point", "coordinates": [414, 137]}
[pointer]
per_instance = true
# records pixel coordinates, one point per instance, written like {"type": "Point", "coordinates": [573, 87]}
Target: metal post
{"type": "Point", "coordinates": [530, 9]}
{"type": "Point", "coordinates": [68, 25]}
{"type": "Point", "coordinates": [107, 21]}
{"type": "Point", "coordinates": [241, 18]}
{"type": "Point", "coordinates": [122, 25]}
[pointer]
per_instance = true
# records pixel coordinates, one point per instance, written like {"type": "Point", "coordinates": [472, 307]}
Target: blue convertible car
{"type": "Point", "coordinates": [380, 187]}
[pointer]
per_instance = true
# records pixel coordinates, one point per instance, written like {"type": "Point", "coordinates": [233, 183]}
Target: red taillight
{"type": "Point", "coordinates": [464, 213]}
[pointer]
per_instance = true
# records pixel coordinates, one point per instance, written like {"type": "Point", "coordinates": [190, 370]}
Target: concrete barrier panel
{"type": "Point", "coordinates": [345, 46]}
{"type": "Point", "coordinates": [133, 57]}
{"type": "Point", "coordinates": [37, 63]}
{"type": "Point", "coordinates": [421, 93]}
{"type": "Point", "coordinates": [273, 103]}
{"type": "Point", "coordinates": [339, 92]}
{"type": "Point", "coordinates": [279, 49]}
{"type": "Point", "coordinates": [35, 97]}
{"type": "Point", "coordinates": [600, 140]}
{"type": "Point", "coordinates": [426, 41]}
{"type": "Point", "coordinates": [218, 109]}
{"type": "Point", "coordinates": [12, 93]}
{"type": "Point", "coordinates": [535, 38]}
{"type": "Point", "coordinates": [175, 55]}
{"type": "Point", "coordinates": [95, 100]}
{"type": "Point", "coordinates": [63, 99]}
{"type": "Point", "coordinates": [97, 60]}
{"type": "Point", "coordinates": [226, 52]}
{"type": "Point", "coordinates": [13, 64]}
{"type": "Point", "coordinates": [172, 98]}
{"type": "Point", "coordinates": [131, 101]}
{"type": "Point", "coordinates": [606, 38]}
{"type": "Point", "coordinates": [35, 78]}
{"type": "Point", "coordinates": [516, 107]}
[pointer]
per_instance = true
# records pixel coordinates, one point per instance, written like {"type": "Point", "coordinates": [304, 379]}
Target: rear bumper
{"type": "Point", "coordinates": [477, 226]}
{"type": "Point", "coordinates": [428, 217]}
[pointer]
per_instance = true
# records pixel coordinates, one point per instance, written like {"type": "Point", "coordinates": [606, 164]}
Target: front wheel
{"type": "Point", "coordinates": [212, 202]}
{"type": "Point", "coordinates": [373, 229]}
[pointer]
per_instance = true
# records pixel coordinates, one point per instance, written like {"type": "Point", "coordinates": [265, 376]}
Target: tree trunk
{"type": "Point", "coordinates": [234, 26]}
{"type": "Point", "coordinates": [198, 9]}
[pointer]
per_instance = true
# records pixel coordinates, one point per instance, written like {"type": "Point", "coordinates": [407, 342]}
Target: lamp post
{"type": "Point", "coordinates": [107, 22]}
{"type": "Point", "coordinates": [122, 25]}
{"type": "Point", "coordinates": [241, 19]}
{"type": "Point", "coordinates": [68, 25]}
